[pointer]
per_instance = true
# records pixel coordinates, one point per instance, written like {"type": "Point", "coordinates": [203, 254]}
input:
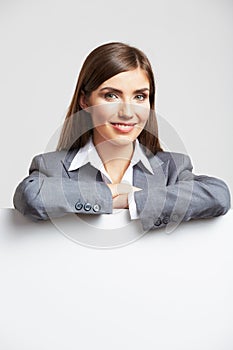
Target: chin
{"type": "Point", "coordinates": [122, 141]}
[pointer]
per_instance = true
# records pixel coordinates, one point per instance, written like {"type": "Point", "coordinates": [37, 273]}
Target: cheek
{"type": "Point", "coordinates": [103, 113]}
{"type": "Point", "coordinates": [143, 114]}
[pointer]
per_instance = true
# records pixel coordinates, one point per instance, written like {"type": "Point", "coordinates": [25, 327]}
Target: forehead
{"type": "Point", "coordinates": [136, 78]}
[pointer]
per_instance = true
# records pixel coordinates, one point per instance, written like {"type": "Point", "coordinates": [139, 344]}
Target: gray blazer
{"type": "Point", "coordinates": [172, 194]}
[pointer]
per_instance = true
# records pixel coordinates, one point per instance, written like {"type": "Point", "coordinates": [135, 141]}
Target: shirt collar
{"type": "Point", "coordinates": [139, 155]}
{"type": "Point", "coordinates": [88, 154]}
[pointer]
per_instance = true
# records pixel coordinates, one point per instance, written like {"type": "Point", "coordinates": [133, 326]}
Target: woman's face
{"type": "Point", "coordinates": [119, 107]}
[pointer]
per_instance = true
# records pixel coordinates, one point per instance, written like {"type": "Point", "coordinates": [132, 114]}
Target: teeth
{"type": "Point", "coordinates": [124, 126]}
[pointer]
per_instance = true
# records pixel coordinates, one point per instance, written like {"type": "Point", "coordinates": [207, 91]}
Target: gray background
{"type": "Point", "coordinates": [190, 46]}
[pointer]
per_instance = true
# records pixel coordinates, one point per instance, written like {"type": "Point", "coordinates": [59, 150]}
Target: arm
{"type": "Point", "coordinates": [41, 197]}
{"type": "Point", "coordinates": [187, 196]}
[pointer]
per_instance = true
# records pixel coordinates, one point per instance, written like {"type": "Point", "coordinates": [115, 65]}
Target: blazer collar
{"type": "Point", "coordinates": [142, 178]}
{"type": "Point", "coordinates": [88, 154]}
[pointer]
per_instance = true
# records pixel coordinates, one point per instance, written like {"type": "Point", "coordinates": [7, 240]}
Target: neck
{"type": "Point", "coordinates": [115, 157]}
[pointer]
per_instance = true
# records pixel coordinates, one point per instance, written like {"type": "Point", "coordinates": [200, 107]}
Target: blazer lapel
{"type": "Point", "coordinates": [86, 173]}
{"type": "Point", "coordinates": [65, 163]}
{"type": "Point", "coordinates": [150, 183]}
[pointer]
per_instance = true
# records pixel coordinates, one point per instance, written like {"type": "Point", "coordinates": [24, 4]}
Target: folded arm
{"type": "Point", "coordinates": [187, 197]}
{"type": "Point", "coordinates": [41, 197]}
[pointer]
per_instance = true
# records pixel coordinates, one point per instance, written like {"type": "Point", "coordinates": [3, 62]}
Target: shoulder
{"type": "Point", "coordinates": [57, 155]}
{"type": "Point", "coordinates": [172, 159]}
{"type": "Point", "coordinates": [52, 159]}
{"type": "Point", "coordinates": [173, 164]}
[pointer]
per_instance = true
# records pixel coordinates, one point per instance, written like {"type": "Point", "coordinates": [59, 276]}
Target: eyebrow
{"type": "Point", "coordinates": [120, 92]}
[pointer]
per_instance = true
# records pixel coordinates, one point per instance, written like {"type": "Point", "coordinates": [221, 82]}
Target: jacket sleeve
{"type": "Point", "coordinates": [187, 197]}
{"type": "Point", "coordinates": [42, 197]}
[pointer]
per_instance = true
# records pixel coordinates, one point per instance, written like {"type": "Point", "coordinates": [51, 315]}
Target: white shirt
{"type": "Point", "coordinates": [88, 154]}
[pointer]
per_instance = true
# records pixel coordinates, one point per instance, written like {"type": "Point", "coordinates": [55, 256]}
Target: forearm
{"type": "Point", "coordinates": [41, 197]}
{"type": "Point", "coordinates": [201, 197]}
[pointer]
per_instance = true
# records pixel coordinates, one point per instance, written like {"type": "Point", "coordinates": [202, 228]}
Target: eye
{"type": "Point", "coordinates": [110, 96]}
{"type": "Point", "coordinates": [141, 97]}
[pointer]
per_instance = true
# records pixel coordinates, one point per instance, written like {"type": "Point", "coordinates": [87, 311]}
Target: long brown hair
{"type": "Point", "coordinates": [100, 65]}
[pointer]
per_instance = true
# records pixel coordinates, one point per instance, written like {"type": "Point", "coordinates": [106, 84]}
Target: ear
{"type": "Point", "coordinates": [83, 102]}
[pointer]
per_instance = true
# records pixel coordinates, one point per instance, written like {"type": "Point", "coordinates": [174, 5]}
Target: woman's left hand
{"type": "Point", "coordinates": [120, 194]}
{"type": "Point", "coordinates": [120, 201]}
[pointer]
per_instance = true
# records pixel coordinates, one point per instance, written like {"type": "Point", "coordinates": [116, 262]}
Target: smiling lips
{"type": "Point", "coordinates": [123, 127]}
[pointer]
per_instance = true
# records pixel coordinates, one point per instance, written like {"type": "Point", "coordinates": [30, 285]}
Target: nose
{"type": "Point", "coordinates": [126, 111]}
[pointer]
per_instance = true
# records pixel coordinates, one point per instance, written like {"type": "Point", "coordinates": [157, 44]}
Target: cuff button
{"type": "Point", "coordinates": [175, 218]}
{"type": "Point", "coordinates": [87, 206]}
{"type": "Point", "coordinates": [166, 220]}
{"type": "Point", "coordinates": [96, 208]}
{"type": "Point", "coordinates": [78, 206]}
{"type": "Point", "coordinates": [158, 222]}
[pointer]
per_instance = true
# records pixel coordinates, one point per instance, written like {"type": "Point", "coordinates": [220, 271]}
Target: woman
{"type": "Point", "coordinates": [109, 156]}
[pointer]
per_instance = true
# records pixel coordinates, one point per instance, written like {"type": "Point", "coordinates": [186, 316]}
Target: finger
{"type": "Point", "coordinates": [122, 188]}
{"type": "Point", "coordinates": [120, 202]}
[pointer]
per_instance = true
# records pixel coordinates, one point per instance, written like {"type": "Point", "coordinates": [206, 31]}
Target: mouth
{"type": "Point", "coordinates": [123, 127]}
